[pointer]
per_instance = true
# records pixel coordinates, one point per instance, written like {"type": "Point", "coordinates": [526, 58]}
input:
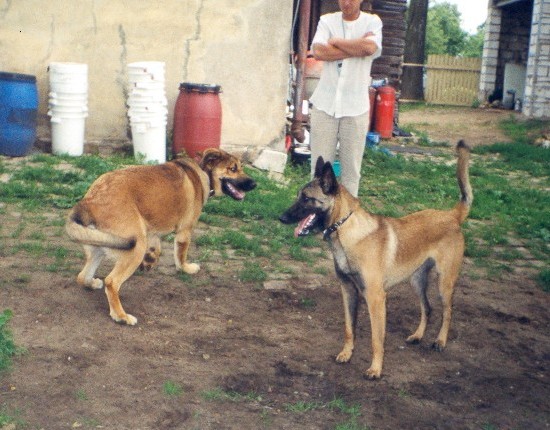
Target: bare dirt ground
{"type": "Point", "coordinates": [214, 335]}
{"type": "Point", "coordinates": [450, 124]}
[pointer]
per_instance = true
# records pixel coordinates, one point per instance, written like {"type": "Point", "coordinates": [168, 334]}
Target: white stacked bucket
{"type": "Point", "coordinates": [147, 110]}
{"type": "Point", "coordinates": [68, 106]}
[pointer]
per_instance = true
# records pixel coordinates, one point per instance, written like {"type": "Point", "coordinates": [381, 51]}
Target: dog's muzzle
{"type": "Point", "coordinates": [237, 188]}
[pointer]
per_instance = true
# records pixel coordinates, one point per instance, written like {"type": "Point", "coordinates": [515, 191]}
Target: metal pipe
{"type": "Point", "coordinates": [303, 37]}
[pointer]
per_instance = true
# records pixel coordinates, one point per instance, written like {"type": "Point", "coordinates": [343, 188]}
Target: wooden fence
{"type": "Point", "coordinates": [452, 80]}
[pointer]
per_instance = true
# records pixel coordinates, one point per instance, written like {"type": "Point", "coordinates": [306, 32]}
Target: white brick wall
{"type": "Point", "coordinates": [490, 53]}
{"type": "Point", "coordinates": [537, 94]}
{"type": "Point", "coordinates": [536, 103]}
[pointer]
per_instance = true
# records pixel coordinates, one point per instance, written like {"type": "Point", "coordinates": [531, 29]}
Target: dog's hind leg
{"type": "Point", "coordinates": [125, 266]}
{"type": "Point", "coordinates": [350, 297]}
{"type": "Point", "coordinates": [94, 255]}
{"type": "Point", "coordinates": [419, 281]}
{"type": "Point", "coordinates": [447, 280]}
{"type": "Point", "coordinates": [181, 246]}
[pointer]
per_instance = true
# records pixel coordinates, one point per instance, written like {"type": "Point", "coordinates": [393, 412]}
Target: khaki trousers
{"type": "Point", "coordinates": [350, 131]}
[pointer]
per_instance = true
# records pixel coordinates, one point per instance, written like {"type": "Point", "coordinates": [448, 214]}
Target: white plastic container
{"type": "Point", "coordinates": [147, 109]}
{"type": "Point", "coordinates": [68, 135]}
{"type": "Point", "coordinates": [149, 142]}
{"type": "Point", "coordinates": [68, 77]}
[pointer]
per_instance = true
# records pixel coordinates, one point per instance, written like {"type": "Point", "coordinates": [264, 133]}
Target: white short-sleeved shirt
{"type": "Point", "coordinates": [343, 89]}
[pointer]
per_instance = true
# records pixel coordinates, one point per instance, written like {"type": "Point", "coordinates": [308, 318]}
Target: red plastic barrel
{"type": "Point", "coordinates": [383, 116]}
{"type": "Point", "coordinates": [197, 118]}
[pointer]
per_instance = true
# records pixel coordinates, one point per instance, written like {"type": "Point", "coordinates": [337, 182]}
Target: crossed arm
{"type": "Point", "coordinates": [339, 49]}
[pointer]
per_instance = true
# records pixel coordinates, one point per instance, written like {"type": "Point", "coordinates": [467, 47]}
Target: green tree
{"type": "Point", "coordinates": [443, 32]}
{"type": "Point", "coordinates": [473, 46]}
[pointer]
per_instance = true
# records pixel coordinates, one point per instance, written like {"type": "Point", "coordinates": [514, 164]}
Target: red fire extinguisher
{"type": "Point", "coordinates": [383, 115]}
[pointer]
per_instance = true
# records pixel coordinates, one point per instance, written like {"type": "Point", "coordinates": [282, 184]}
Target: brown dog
{"type": "Point", "coordinates": [125, 210]}
{"type": "Point", "coordinates": [372, 253]}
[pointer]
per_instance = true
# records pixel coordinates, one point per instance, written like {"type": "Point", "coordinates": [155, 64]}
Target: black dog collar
{"type": "Point", "coordinates": [331, 229]}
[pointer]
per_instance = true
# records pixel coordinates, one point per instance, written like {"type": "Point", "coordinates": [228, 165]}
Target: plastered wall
{"type": "Point", "coordinates": [241, 45]}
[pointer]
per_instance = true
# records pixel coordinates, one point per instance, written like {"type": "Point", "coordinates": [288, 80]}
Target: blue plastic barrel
{"type": "Point", "coordinates": [18, 112]}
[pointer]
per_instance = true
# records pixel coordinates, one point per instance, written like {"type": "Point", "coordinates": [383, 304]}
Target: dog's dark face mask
{"type": "Point", "coordinates": [314, 201]}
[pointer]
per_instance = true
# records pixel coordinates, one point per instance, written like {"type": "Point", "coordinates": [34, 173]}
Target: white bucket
{"type": "Point", "coordinates": [148, 123]}
{"type": "Point", "coordinates": [68, 77]}
{"type": "Point", "coordinates": [147, 86]}
{"type": "Point", "coordinates": [67, 114]}
{"type": "Point", "coordinates": [145, 77]}
{"type": "Point", "coordinates": [69, 87]}
{"type": "Point", "coordinates": [149, 142]}
{"type": "Point", "coordinates": [68, 108]}
{"type": "Point", "coordinates": [68, 135]}
{"type": "Point", "coordinates": [147, 67]}
{"type": "Point", "coordinates": [155, 98]}
{"type": "Point", "coordinates": [67, 102]}
{"type": "Point", "coordinates": [59, 68]}
{"type": "Point", "coordinates": [147, 110]}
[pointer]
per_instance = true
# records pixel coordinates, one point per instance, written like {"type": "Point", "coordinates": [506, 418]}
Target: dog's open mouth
{"type": "Point", "coordinates": [305, 226]}
{"type": "Point", "coordinates": [232, 191]}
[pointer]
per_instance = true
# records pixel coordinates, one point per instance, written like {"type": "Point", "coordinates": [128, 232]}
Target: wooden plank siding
{"type": "Point", "coordinates": [452, 80]}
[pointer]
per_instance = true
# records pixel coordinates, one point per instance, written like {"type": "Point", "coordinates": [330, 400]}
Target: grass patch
{"type": "Point", "coordinates": [9, 418]}
{"type": "Point", "coordinates": [353, 412]}
{"type": "Point", "coordinates": [7, 345]}
{"type": "Point", "coordinates": [544, 280]}
{"type": "Point", "coordinates": [172, 389]}
{"type": "Point", "coordinates": [218, 394]}
{"type": "Point", "coordinates": [252, 272]}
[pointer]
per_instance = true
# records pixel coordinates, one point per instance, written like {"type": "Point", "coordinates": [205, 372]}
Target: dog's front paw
{"type": "Point", "coordinates": [373, 373]}
{"type": "Point", "coordinates": [96, 284]}
{"type": "Point", "coordinates": [413, 340]}
{"type": "Point", "coordinates": [344, 356]}
{"type": "Point", "coordinates": [191, 268]}
{"type": "Point", "coordinates": [124, 319]}
{"type": "Point", "coordinates": [438, 346]}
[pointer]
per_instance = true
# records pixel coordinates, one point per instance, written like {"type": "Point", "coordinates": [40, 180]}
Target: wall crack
{"type": "Point", "coordinates": [195, 37]}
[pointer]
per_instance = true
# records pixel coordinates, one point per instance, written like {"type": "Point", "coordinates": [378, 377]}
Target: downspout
{"type": "Point", "coordinates": [299, 118]}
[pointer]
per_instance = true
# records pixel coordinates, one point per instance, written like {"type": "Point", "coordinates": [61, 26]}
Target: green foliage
{"type": "Point", "coordinates": [443, 32]}
{"type": "Point", "coordinates": [473, 45]}
{"type": "Point", "coordinates": [445, 37]}
{"type": "Point", "coordinates": [7, 345]}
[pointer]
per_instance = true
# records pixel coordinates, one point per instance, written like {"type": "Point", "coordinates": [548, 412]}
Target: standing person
{"type": "Point", "coordinates": [347, 42]}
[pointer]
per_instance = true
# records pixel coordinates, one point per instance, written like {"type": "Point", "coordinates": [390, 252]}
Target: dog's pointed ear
{"type": "Point", "coordinates": [319, 167]}
{"type": "Point", "coordinates": [328, 181]}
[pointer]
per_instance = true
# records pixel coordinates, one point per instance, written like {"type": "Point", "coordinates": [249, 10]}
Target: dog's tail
{"type": "Point", "coordinates": [462, 174]}
{"type": "Point", "coordinates": [81, 228]}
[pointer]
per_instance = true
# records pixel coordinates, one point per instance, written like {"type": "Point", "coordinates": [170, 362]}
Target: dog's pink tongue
{"type": "Point", "coordinates": [239, 195]}
{"type": "Point", "coordinates": [303, 224]}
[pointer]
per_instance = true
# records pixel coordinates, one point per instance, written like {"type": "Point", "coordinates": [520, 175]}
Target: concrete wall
{"type": "Point", "coordinates": [241, 45]}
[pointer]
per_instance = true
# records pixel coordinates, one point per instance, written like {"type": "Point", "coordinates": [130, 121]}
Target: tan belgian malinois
{"type": "Point", "coordinates": [372, 253]}
{"type": "Point", "coordinates": [124, 212]}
